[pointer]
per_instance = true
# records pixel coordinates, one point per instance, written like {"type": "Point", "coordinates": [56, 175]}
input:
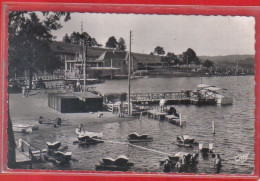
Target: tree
{"type": "Point", "coordinates": [66, 39]}
{"type": "Point", "coordinates": [111, 42]}
{"type": "Point", "coordinates": [208, 64]}
{"type": "Point", "coordinates": [121, 44]}
{"type": "Point", "coordinates": [29, 50]}
{"type": "Point", "coordinates": [190, 57]}
{"type": "Point", "coordinates": [159, 50]}
{"type": "Point", "coordinates": [78, 38]}
{"type": "Point", "coordinates": [29, 41]}
{"type": "Point", "coordinates": [169, 58]}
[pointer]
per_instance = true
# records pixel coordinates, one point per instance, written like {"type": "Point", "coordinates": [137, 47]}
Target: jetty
{"type": "Point", "coordinates": [181, 97]}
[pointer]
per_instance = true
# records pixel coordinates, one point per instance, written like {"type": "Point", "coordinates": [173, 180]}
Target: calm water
{"type": "Point", "coordinates": [234, 128]}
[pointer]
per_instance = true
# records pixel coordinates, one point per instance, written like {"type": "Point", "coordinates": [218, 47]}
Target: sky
{"type": "Point", "coordinates": [206, 35]}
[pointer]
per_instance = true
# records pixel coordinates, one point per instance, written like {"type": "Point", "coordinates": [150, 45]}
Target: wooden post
{"type": "Point", "coordinates": [213, 127]}
{"type": "Point", "coordinates": [180, 120]}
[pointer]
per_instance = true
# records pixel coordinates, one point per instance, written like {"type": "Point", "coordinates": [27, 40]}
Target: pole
{"type": "Point", "coordinates": [84, 66]}
{"type": "Point", "coordinates": [187, 64]}
{"type": "Point", "coordinates": [213, 127]}
{"type": "Point", "coordinates": [129, 74]}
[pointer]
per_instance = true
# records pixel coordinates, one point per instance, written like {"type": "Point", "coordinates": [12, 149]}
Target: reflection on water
{"type": "Point", "coordinates": [234, 128]}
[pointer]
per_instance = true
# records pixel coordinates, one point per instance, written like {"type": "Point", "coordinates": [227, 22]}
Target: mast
{"type": "Point", "coordinates": [84, 59]}
{"type": "Point", "coordinates": [129, 74]}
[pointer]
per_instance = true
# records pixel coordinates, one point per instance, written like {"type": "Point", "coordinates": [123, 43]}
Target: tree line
{"type": "Point", "coordinates": [187, 57]}
{"type": "Point", "coordinates": [78, 38]}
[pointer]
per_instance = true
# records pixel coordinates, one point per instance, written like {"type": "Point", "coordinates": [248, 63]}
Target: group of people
{"type": "Point", "coordinates": [188, 161]}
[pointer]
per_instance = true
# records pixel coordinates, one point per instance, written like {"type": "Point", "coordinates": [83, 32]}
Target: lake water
{"type": "Point", "coordinates": [234, 126]}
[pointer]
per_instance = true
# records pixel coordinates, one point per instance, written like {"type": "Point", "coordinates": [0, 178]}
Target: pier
{"type": "Point", "coordinates": [181, 97]}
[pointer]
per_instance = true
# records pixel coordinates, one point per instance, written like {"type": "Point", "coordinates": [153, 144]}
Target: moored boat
{"type": "Point", "coordinates": [121, 163]}
{"type": "Point", "coordinates": [84, 140]}
{"type": "Point", "coordinates": [63, 156]}
{"type": "Point", "coordinates": [185, 141]}
{"type": "Point", "coordinates": [22, 128]}
{"type": "Point", "coordinates": [53, 145]}
{"type": "Point", "coordinates": [80, 131]}
{"type": "Point", "coordinates": [135, 138]}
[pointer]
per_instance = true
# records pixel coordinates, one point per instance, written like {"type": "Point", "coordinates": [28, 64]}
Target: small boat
{"type": "Point", "coordinates": [53, 145]}
{"type": "Point", "coordinates": [22, 128]}
{"type": "Point", "coordinates": [56, 121]}
{"type": "Point", "coordinates": [63, 156]}
{"type": "Point", "coordinates": [206, 149]}
{"type": "Point", "coordinates": [136, 138]}
{"type": "Point", "coordinates": [81, 132]}
{"type": "Point", "coordinates": [119, 164]}
{"type": "Point", "coordinates": [84, 140]}
{"type": "Point", "coordinates": [185, 139]}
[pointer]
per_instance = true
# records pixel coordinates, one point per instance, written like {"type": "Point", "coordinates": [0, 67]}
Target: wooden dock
{"type": "Point", "coordinates": [163, 116]}
{"type": "Point", "coordinates": [181, 97]}
{"type": "Point", "coordinates": [22, 159]}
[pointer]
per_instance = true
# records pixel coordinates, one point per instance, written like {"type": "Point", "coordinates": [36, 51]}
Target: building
{"type": "Point", "coordinates": [101, 62]}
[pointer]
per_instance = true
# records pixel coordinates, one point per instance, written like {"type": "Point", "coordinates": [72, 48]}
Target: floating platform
{"type": "Point", "coordinates": [163, 116]}
{"type": "Point", "coordinates": [156, 114]}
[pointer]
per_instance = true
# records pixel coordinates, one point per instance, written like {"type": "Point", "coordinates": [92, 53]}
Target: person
{"type": "Point", "coordinates": [178, 165]}
{"type": "Point", "coordinates": [166, 166]}
{"type": "Point", "coordinates": [162, 104]}
{"type": "Point", "coordinates": [121, 113]}
{"type": "Point", "coordinates": [78, 86]}
{"type": "Point", "coordinates": [23, 91]}
{"type": "Point", "coordinates": [173, 111]}
{"type": "Point", "coordinates": [193, 159]}
{"type": "Point", "coordinates": [80, 128]}
{"type": "Point", "coordinates": [217, 163]}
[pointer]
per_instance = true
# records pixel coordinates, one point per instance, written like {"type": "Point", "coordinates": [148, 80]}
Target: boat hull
{"type": "Point", "coordinates": [22, 128]}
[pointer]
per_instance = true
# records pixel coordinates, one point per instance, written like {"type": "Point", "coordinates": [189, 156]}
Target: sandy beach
{"type": "Point", "coordinates": [27, 110]}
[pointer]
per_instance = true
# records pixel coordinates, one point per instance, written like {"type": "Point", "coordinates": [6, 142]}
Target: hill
{"type": "Point", "coordinates": [243, 61]}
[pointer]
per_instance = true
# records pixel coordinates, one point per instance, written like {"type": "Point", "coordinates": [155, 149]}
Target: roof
{"type": "Point", "coordinates": [99, 53]}
{"type": "Point", "coordinates": [115, 55]}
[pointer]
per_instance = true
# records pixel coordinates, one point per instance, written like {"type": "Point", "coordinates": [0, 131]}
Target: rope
{"type": "Point", "coordinates": [126, 143]}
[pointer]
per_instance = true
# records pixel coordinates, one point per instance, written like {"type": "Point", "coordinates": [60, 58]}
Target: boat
{"type": "Point", "coordinates": [23, 128]}
{"type": "Point", "coordinates": [136, 138]}
{"type": "Point", "coordinates": [56, 121]}
{"type": "Point", "coordinates": [63, 156]}
{"type": "Point", "coordinates": [81, 132]}
{"type": "Point", "coordinates": [212, 94]}
{"type": "Point", "coordinates": [185, 141]}
{"type": "Point", "coordinates": [84, 140]}
{"type": "Point", "coordinates": [206, 149]}
{"type": "Point", "coordinates": [53, 145]}
{"type": "Point", "coordinates": [121, 163]}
